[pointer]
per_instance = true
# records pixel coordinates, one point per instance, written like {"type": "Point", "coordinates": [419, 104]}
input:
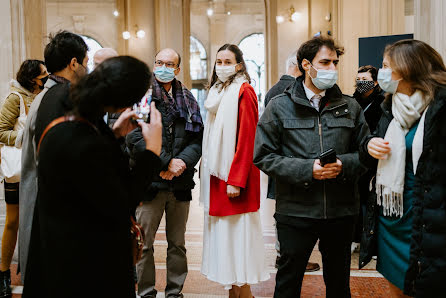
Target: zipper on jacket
{"type": "Point", "coordinates": [322, 150]}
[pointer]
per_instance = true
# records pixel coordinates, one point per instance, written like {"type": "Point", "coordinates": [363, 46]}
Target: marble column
{"type": "Point", "coordinates": [430, 23]}
{"type": "Point", "coordinates": [34, 12]}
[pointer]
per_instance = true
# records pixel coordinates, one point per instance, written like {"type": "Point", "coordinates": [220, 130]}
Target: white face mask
{"type": "Point", "coordinates": [385, 80]}
{"type": "Point", "coordinates": [325, 79]}
{"type": "Point", "coordinates": [225, 72]}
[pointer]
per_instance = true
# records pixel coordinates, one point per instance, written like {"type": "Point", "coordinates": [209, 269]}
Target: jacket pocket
{"type": "Point", "coordinates": [300, 138]}
{"type": "Point", "coordinates": [338, 134]}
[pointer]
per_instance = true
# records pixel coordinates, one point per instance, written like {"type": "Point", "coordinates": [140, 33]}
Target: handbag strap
{"type": "Point", "coordinates": [63, 119]}
{"type": "Point", "coordinates": [22, 101]}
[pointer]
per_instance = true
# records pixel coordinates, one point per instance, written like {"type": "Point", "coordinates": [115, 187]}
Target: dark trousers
{"type": "Point", "coordinates": [297, 237]}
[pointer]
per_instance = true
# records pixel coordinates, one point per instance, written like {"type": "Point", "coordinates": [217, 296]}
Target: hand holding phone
{"type": "Point", "coordinates": [328, 156]}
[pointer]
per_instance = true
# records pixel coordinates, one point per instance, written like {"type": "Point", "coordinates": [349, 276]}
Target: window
{"type": "Point", "coordinates": [198, 72]}
{"type": "Point", "coordinates": [93, 47]}
{"type": "Point", "coordinates": [198, 60]}
{"type": "Point", "coordinates": [253, 48]}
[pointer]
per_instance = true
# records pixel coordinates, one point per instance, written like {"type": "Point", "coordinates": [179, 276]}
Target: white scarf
{"type": "Point", "coordinates": [391, 171]}
{"type": "Point", "coordinates": [220, 133]}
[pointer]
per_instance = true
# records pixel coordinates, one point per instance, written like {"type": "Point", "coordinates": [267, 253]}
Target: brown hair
{"type": "Point", "coordinates": [418, 63]}
{"type": "Point", "coordinates": [309, 49]}
{"type": "Point", "coordinates": [238, 58]}
{"type": "Point", "coordinates": [371, 69]}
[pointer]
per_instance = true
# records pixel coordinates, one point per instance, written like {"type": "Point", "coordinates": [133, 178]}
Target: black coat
{"type": "Point", "coordinates": [284, 82]}
{"type": "Point", "coordinates": [177, 143]}
{"type": "Point", "coordinates": [371, 106]}
{"type": "Point", "coordinates": [291, 134]}
{"type": "Point", "coordinates": [81, 227]}
{"type": "Point", "coordinates": [426, 275]}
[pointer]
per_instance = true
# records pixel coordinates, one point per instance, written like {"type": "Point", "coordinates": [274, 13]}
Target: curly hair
{"type": "Point", "coordinates": [29, 70]}
{"type": "Point", "coordinates": [118, 82]}
{"type": "Point", "coordinates": [309, 49]}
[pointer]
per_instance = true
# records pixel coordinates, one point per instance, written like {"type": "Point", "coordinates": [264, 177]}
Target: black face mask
{"type": "Point", "coordinates": [364, 86]}
{"type": "Point", "coordinates": [43, 80]}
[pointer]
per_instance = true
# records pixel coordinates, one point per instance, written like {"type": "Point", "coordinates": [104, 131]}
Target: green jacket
{"type": "Point", "coordinates": [10, 111]}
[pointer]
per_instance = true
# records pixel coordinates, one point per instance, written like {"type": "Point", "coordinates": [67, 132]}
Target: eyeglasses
{"type": "Point", "coordinates": [168, 64]}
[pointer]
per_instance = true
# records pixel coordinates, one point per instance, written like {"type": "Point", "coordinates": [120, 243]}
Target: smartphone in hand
{"type": "Point", "coordinates": [328, 156]}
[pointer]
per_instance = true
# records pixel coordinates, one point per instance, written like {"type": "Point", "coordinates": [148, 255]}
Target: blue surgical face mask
{"type": "Point", "coordinates": [325, 79]}
{"type": "Point", "coordinates": [385, 80]}
{"type": "Point", "coordinates": [164, 74]}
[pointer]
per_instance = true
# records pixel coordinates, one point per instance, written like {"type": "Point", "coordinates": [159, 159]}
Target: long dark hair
{"type": "Point", "coordinates": [29, 70]}
{"type": "Point", "coordinates": [238, 58]}
{"type": "Point", "coordinates": [117, 82]}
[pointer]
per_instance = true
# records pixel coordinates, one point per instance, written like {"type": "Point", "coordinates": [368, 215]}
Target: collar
{"type": "Point", "coordinates": [310, 93]}
{"type": "Point", "coordinates": [286, 77]}
{"type": "Point", "coordinates": [58, 79]}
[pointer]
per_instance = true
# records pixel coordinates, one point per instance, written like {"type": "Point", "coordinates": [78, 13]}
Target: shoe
{"type": "Point", "coordinates": [5, 284]}
{"type": "Point", "coordinates": [311, 267]}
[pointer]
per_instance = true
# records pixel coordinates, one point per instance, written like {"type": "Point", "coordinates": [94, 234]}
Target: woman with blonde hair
{"type": "Point", "coordinates": [233, 248]}
{"type": "Point", "coordinates": [409, 147]}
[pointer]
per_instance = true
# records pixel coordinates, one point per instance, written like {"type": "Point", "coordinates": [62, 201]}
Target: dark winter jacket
{"type": "Point", "coordinates": [371, 106]}
{"type": "Point", "coordinates": [82, 215]}
{"type": "Point", "coordinates": [284, 82]}
{"type": "Point", "coordinates": [177, 143]}
{"type": "Point", "coordinates": [427, 266]}
{"type": "Point", "coordinates": [291, 134]}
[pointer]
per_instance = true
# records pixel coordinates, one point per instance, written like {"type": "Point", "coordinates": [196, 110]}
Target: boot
{"type": "Point", "coordinates": [5, 284]}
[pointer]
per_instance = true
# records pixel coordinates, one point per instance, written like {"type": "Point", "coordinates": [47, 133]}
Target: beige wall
{"type": "Point", "coordinates": [353, 19]}
{"type": "Point", "coordinates": [430, 23]}
{"type": "Point", "coordinates": [91, 18]}
{"type": "Point", "coordinates": [5, 49]}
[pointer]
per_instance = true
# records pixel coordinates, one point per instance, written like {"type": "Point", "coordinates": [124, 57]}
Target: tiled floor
{"type": "Point", "coordinates": [364, 283]}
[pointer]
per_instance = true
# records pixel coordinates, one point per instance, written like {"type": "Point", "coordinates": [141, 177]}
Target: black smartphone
{"type": "Point", "coordinates": [328, 156]}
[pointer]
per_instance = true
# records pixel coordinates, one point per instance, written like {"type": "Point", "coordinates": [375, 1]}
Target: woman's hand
{"type": "Point", "coordinates": [124, 124]}
{"type": "Point", "coordinates": [232, 191]}
{"type": "Point", "coordinates": [378, 148]}
{"type": "Point", "coordinates": [153, 132]}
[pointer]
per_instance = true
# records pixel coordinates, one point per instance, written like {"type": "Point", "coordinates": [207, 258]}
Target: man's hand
{"type": "Point", "coordinates": [232, 191]}
{"type": "Point", "coordinates": [378, 148]}
{"type": "Point", "coordinates": [124, 124]}
{"type": "Point", "coordinates": [167, 175]}
{"type": "Point", "coordinates": [329, 171]}
{"type": "Point", "coordinates": [332, 170]}
{"type": "Point", "coordinates": [177, 166]}
{"type": "Point", "coordinates": [153, 132]}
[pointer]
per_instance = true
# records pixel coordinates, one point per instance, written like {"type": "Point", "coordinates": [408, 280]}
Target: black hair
{"type": "Point", "coordinates": [371, 69]}
{"type": "Point", "coordinates": [63, 47]}
{"type": "Point", "coordinates": [310, 48]}
{"type": "Point", "coordinates": [29, 70]}
{"type": "Point", "coordinates": [238, 58]}
{"type": "Point", "coordinates": [118, 82]}
{"type": "Point", "coordinates": [178, 54]}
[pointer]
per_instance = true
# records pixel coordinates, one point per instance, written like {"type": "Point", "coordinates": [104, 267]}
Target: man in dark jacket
{"type": "Point", "coordinates": [313, 201]}
{"type": "Point", "coordinates": [292, 72]}
{"type": "Point", "coordinates": [171, 190]}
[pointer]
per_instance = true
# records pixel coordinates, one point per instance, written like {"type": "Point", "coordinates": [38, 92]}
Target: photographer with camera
{"type": "Point", "coordinates": [316, 188]}
{"type": "Point", "coordinates": [170, 192]}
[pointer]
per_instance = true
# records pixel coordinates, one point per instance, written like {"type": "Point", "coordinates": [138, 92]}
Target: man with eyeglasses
{"type": "Point", "coordinates": [171, 192]}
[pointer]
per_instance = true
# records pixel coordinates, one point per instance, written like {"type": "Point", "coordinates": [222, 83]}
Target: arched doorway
{"type": "Point", "coordinates": [198, 72]}
{"type": "Point", "coordinates": [93, 47]}
{"type": "Point", "coordinates": [253, 48]}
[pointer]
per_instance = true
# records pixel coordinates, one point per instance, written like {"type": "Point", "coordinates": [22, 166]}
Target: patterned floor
{"type": "Point", "coordinates": [364, 283]}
